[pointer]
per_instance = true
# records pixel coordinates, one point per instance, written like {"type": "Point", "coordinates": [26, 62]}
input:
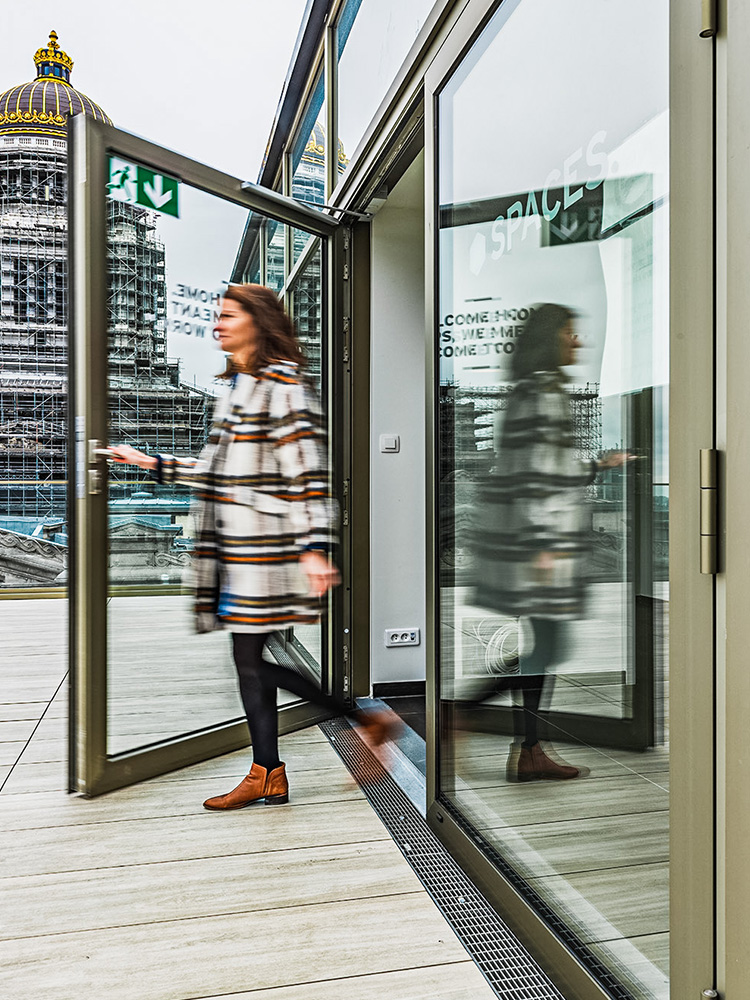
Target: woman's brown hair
{"type": "Point", "coordinates": [538, 347]}
{"type": "Point", "coordinates": [277, 338]}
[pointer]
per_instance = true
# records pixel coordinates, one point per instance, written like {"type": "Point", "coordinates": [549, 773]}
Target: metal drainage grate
{"type": "Point", "coordinates": [506, 964]}
{"type": "Point", "coordinates": [606, 977]}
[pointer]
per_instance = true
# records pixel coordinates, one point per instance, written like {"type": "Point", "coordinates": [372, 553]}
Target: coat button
{"type": "Point", "coordinates": [219, 524]}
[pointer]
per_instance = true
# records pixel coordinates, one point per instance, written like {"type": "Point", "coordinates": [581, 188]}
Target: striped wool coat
{"type": "Point", "coordinates": [534, 503]}
{"type": "Point", "coordinates": [263, 498]}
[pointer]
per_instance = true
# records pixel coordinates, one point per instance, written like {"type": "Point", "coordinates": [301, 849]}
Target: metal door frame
{"type": "Point", "coordinates": [92, 770]}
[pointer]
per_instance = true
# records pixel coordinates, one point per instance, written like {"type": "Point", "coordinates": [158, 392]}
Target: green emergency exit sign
{"type": "Point", "coordinates": [137, 185]}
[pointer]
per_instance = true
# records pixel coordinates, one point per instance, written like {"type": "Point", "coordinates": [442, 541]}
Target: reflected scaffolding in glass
{"type": "Point", "coordinates": [309, 155]}
{"type": "Point", "coordinates": [308, 152]}
{"type": "Point", "coordinates": [306, 643]}
{"type": "Point", "coordinates": [275, 266]}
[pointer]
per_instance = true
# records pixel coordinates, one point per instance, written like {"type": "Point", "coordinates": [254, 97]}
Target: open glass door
{"type": "Point", "coordinates": [155, 236]}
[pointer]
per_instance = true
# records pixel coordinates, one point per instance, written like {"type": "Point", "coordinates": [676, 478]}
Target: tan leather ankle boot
{"type": "Point", "coordinates": [258, 784]}
{"type": "Point", "coordinates": [276, 791]}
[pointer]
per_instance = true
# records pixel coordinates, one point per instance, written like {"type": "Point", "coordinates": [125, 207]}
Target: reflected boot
{"type": "Point", "coordinates": [380, 726]}
{"type": "Point", "coordinates": [533, 764]}
{"type": "Point", "coordinates": [258, 784]}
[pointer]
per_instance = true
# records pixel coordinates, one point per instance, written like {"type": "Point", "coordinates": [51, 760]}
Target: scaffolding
{"type": "Point", "coordinates": [149, 405]}
{"type": "Point", "coordinates": [468, 418]}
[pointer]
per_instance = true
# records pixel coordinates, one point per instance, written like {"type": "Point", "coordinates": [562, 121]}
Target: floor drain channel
{"type": "Point", "coordinates": [506, 964]}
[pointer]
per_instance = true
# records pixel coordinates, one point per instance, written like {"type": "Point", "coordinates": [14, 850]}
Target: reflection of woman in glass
{"type": "Point", "coordinates": [535, 539]}
{"type": "Point", "coordinates": [265, 522]}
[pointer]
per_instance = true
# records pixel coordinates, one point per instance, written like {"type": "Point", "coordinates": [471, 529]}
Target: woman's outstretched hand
{"type": "Point", "coordinates": [321, 573]}
{"type": "Point", "coordinates": [613, 460]}
{"type": "Point", "coordinates": [126, 455]}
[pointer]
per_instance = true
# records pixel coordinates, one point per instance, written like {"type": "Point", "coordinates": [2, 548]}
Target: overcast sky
{"type": "Point", "coordinates": [201, 78]}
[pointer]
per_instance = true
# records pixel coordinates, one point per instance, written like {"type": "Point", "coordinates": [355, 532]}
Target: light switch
{"type": "Point", "coordinates": [390, 443]}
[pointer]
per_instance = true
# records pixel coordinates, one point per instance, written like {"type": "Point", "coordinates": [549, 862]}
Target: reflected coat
{"type": "Point", "coordinates": [535, 502]}
{"type": "Point", "coordinates": [263, 498]}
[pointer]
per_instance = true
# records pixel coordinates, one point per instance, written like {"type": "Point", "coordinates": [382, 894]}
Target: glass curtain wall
{"type": "Point", "coordinates": [553, 492]}
{"type": "Point", "coordinates": [374, 37]}
{"type": "Point", "coordinates": [308, 154]}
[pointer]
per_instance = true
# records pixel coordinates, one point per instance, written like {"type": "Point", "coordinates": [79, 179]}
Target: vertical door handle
{"type": "Point", "coordinates": [95, 475]}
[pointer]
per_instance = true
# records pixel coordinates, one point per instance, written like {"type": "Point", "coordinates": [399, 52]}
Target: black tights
{"type": "Point", "coordinates": [548, 642]}
{"type": "Point", "coordinates": [259, 681]}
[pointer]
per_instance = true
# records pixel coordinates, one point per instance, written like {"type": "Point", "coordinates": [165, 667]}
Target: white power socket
{"type": "Point", "coordinates": [402, 637]}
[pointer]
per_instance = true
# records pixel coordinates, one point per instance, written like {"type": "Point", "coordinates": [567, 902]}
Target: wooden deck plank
{"type": "Point", "coordinates": [454, 981]}
{"type": "Point", "coordinates": [309, 784]}
{"type": "Point", "coordinates": [170, 838]}
{"type": "Point", "coordinates": [153, 892]}
{"type": "Point", "coordinates": [197, 957]}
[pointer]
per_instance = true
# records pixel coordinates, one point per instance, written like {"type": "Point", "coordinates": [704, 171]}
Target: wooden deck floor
{"type": "Point", "coordinates": [143, 895]}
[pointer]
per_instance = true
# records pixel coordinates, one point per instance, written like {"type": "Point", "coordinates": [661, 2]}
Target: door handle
{"type": "Point", "coordinates": [95, 478]}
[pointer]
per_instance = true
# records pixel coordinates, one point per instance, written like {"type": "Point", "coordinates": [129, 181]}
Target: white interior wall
{"type": "Point", "coordinates": [398, 407]}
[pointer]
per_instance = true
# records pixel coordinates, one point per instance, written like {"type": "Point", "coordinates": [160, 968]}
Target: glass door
{"type": "Point", "coordinates": [155, 239]}
{"type": "Point", "coordinates": [573, 225]}
{"type": "Point", "coordinates": [307, 644]}
{"type": "Point", "coordinates": [561, 359]}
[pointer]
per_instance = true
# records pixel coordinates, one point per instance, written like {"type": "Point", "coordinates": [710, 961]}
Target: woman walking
{"type": "Point", "coordinates": [265, 522]}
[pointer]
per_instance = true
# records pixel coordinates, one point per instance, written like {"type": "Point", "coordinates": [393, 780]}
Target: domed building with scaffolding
{"type": "Point", "coordinates": [33, 283]}
{"type": "Point", "coordinates": [308, 183]}
{"type": "Point", "coordinates": [149, 404]}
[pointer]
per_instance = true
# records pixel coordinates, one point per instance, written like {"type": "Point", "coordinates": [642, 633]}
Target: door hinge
{"type": "Point", "coordinates": [708, 510]}
{"type": "Point", "coordinates": [346, 272]}
{"type": "Point", "coordinates": [346, 339]}
{"type": "Point", "coordinates": [708, 19]}
{"type": "Point", "coordinates": [346, 669]}
{"type": "Point", "coordinates": [345, 512]}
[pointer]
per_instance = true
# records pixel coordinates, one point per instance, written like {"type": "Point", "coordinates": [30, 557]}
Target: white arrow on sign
{"type": "Point", "coordinates": [156, 193]}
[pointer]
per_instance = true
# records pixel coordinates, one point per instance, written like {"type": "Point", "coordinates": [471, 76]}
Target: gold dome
{"type": "Point", "coordinates": [43, 106]}
{"type": "Point", "coordinates": [315, 150]}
